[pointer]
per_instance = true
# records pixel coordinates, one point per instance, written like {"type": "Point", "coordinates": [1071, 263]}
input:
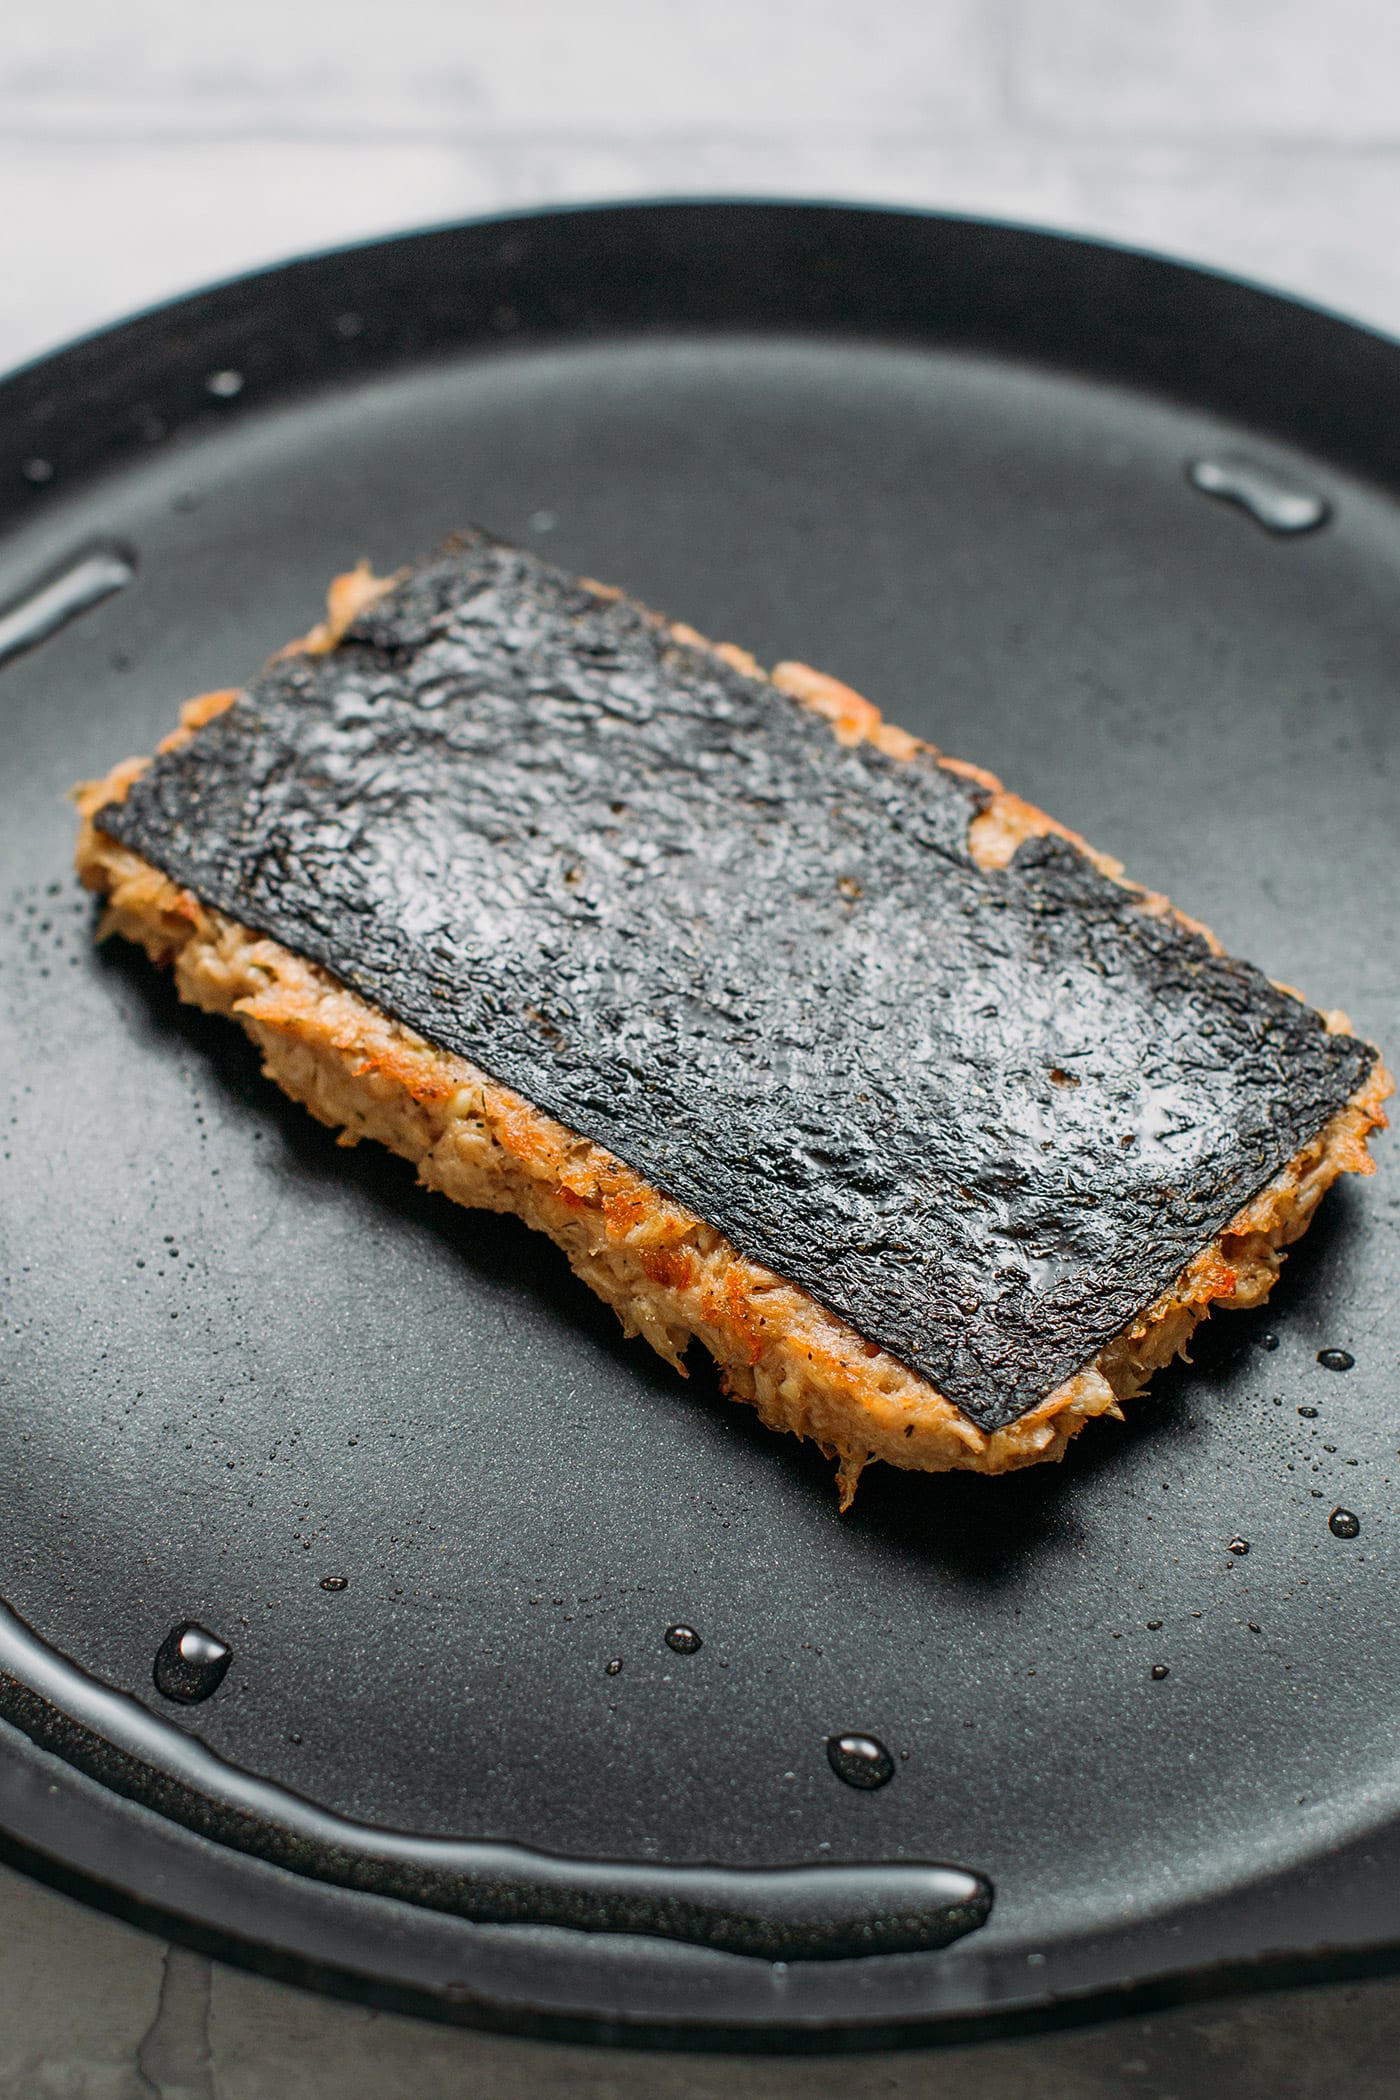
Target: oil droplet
{"type": "Point", "coordinates": [614, 1666]}
{"type": "Point", "coordinates": [1268, 1341]}
{"type": "Point", "coordinates": [1154, 1625]}
{"type": "Point", "coordinates": [90, 576]}
{"type": "Point", "coordinates": [861, 1760]}
{"type": "Point", "coordinates": [224, 385]}
{"type": "Point", "coordinates": [1309, 1414]}
{"type": "Point", "coordinates": [1159, 1671]}
{"type": "Point", "coordinates": [335, 1582]}
{"type": "Point", "coordinates": [190, 1663]}
{"type": "Point", "coordinates": [1270, 498]}
{"type": "Point", "coordinates": [684, 1639]}
{"type": "Point", "coordinates": [543, 520]}
{"type": "Point", "coordinates": [1238, 1545]}
{"type": "Point", "coordinates": [348, 326]}
{"type": "Point", "coordinates": [1344, 1525]}
{"type": "Point", "coordinates": [1335, 1359]}
{"type": "Point", "coordinates": [37, 471]}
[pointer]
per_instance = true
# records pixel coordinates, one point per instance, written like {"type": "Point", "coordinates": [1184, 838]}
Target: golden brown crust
{"type": "Point", "coordinates": [669, 1276]}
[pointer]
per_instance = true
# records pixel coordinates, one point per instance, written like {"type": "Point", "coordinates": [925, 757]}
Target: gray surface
{"type": "Point", "coordinates": [143, 149]}
{"type": "Point", "coordinates": [109, 2014]}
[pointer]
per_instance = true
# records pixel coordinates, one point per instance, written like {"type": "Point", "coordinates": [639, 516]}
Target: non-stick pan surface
{"type": "Point", "coordinates": [952, 464]}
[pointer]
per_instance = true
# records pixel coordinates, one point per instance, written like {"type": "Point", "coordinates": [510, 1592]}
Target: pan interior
{"type": "Point", "coordinates": [240, 1360]}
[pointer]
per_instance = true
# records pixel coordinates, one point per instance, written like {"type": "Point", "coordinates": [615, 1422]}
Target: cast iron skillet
{"type": "Point", "coordinates": [951, 463]}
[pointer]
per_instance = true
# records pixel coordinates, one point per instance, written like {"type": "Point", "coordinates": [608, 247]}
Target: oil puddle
{"type": "Point", "coordinates": [95, 573]}
{"type": "Point", "coordinates": [801, 1913]}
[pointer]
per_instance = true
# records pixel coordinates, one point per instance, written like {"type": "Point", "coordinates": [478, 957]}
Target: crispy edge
{"type": "Point", "coordinates": [670, 1277]}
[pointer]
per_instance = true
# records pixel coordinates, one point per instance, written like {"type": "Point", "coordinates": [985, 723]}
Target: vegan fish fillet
{"type": "Point", "coordinates": [796, 1036]}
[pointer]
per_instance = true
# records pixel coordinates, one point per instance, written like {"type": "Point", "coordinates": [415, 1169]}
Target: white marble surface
{"type": "Point", "coordinates": [147, 147]}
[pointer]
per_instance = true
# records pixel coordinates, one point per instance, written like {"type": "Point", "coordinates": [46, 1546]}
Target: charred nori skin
{"type": "Point", "coordinates": [659, 899]}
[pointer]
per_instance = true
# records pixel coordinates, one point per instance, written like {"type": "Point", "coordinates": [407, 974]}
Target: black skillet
{"type": "Point", "coordinates": [1124, 532]}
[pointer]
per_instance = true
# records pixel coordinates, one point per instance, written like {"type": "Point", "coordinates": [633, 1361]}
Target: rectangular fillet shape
{"type": "Point", "coordinates": [795, 1034]}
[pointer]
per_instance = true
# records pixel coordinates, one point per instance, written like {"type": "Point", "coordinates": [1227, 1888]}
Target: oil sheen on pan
{"type": "Point", "coordinates": [984, 1115]}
